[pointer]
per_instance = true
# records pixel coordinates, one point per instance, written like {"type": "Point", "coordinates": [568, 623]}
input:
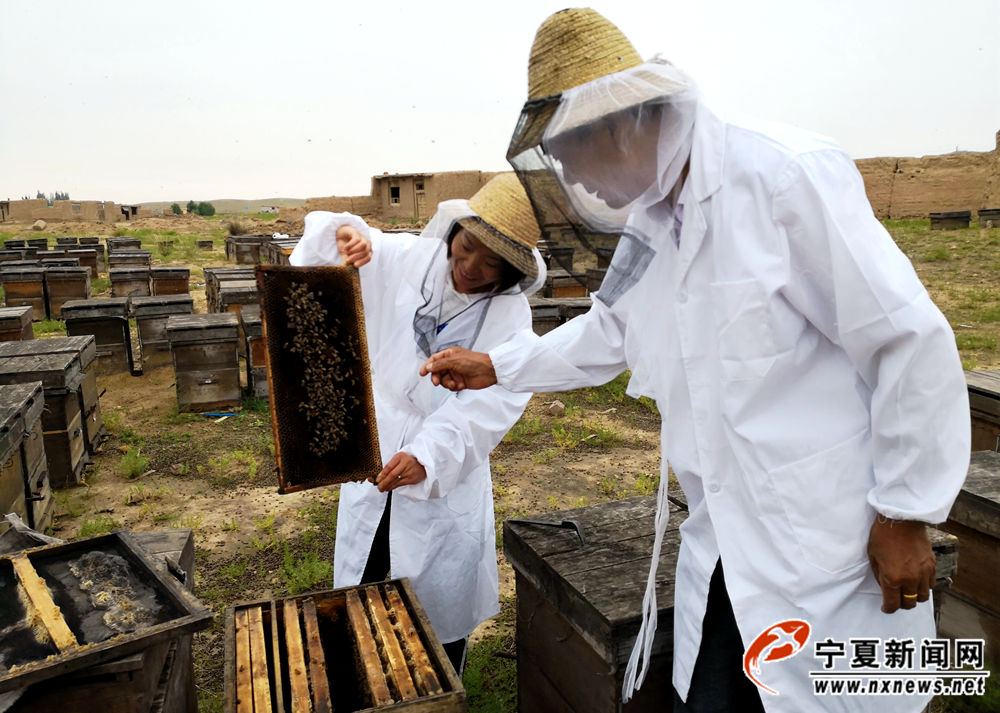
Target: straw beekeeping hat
{"type": "Point", "coordinates": [505, 222]}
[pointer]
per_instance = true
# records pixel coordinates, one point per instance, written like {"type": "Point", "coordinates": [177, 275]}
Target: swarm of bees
{"type": "Point", "coordinates": [328, 375]}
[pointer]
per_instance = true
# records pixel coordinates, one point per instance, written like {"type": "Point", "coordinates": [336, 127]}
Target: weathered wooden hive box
{"type": "Point", "coordinates": [989, 218]}
{"type": "Point", "coordinates": [12, 493]}
{"type": "Point", "coordinates": [579, 607]}
{"type": "Point", "coordinates": [131, 281]}
{"type": "Point", "coordinates": [90, 240]}
{"type": "Point", "coordinates": [972, 606]}
{"type": "Point", "coordinates": [62, 420]}
{"type": "Point", "coordinates": [544, 314]}
{"type": "Point", "coordinates": [215, 275]}
{"type": "Point", "coordinates": [170, 280]}
{"type": "Point", "coordinates": [244, 249]}
{"type": "Point", "coordinates": [559, 257]}
{"type": "Point", "coordinates": [14, 244]}
{"type": "Point", "coordinates": [11, 255]}
{"type": "Point", "coordinates": [233, 294]}
{"type": "Point", "coordinates": [984, 408]}
{"type": "Point", "coordinates": [117, 626]}
{"type": "Point", "coordinates": [63, 284]}
{"type": "Point", "coordinates": [278, 251]}
{"type": "Point", "coordinates": [559, 283]}
{"type": "Point", "coordinates": [570, 307]}
{"type": "Point", "coordinates": [87, 258]}
{"type": "Point", "coordinates": [62, 261]}
{"type": "Point", "coordinates": [204, 244]}
{"type": "Point", "coordinates": [65, 241]}
{"type": "Point", "coordinates": [206, 360]}
{"type": "Point", "coordinates": [151, 314]}
{"type": "Point", "coordinates": [38, 243]}
{"type": "Point", "coordinates": [366, 648]}
{"type": "Point", "coordinates": [27, 401]}
{"type": "Point", "coordinates": [254, 350]}
{"type": "Point", "coordinates": [24, 286]}
{"type": "Point", "coordinates": [107, 320]}
{"type": "Point", "coordinates": [84, 346]}
{"type": "Point", "coordinates": [119, 244]}
{"type": "Point", "coordinates": [53, 253]}
{"type": "Point", "coordinates": [951, 219]}
{"type": "Point", "coordinates": [15, 324]}
{"type": "Point", "coordinates": [130, 258]}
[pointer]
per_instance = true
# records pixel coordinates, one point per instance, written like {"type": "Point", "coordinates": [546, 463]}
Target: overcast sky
{"type": "Point", "coordinates": [201, 99]}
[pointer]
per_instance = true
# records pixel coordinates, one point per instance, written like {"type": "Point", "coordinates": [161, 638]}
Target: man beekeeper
{"type": "Point", "coordinates": [813, 402]}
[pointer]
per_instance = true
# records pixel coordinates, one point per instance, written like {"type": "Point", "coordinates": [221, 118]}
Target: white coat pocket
{"type": "Point", "coordinates": [824, 498]}
{"type": "Point", "coordinates": [746, 335]}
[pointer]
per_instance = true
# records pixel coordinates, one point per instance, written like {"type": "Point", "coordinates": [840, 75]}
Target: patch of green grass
{"type": "Point", "coordinates": [975, 341]}
{"type": "Point", "coordinates": [937, 254]}
{"type": "Point", "coordinates": [192, 521]}
{"type": "Point", "coordinates": [48, 327]}
{"type": "Point", "coordinates": [543, 457]}
{"type": "Point", "coordinates": [646, 484]}
{"type": "Point", "coordinates": [236, 569]}
{"type": "Point", "coordinates": [100, 525]}
{"type": "Point", "coordinates": [73, 508]}
{"type": "Point", "coordinates": [490, 676]}
{"type": "Point", "coordinates": [133, 463]}
{"type": "Point", "coordinates": [112, 421]}
{"type": "Point", "coordinates": [99, 285]}
{"type": "Point", "coordinates": [305, 574]}
{"type": "Point", "coordinates": [254, 404]}
{"type": "Point", "coordinates": [321, 512]}
{"type": "Point", "coordinates": [128, 436]}
{"type": "Point", "coordinates": [179, 418]}
{"type": "Point", "coordinates": [231, 526]}
{"type": "Point", "coordinates": [526, 430]}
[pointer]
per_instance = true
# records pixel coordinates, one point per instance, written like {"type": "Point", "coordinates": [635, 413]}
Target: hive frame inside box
{"type": "Point", "coordinates": [67, 652]}
{"type": "Point", "coordinates": [318, 677]}
{"type": "Point", "coordinates": [337, 291]}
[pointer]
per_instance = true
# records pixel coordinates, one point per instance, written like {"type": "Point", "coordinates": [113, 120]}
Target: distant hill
{"type": "Point", "coordinates": [233, 205]}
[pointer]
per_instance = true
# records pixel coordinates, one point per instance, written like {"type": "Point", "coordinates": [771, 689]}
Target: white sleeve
{"type": "Point", "coordinates": [586, 351]}
{"type": "Point", "coordinates": [318, 245]}
{"type": "Point", "coordinates": [858, 288]}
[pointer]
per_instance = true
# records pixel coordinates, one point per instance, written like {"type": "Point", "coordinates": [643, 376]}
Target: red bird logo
{"type": "Point", "coordinates": [779, 641]}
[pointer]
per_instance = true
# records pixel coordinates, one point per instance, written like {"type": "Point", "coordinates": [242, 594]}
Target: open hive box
{"type": "Point", "coordinates": [322, 408]}
{"type": "Point", "coordinates": [356, 649]}
{"type": "Point", "coordinates": [71, 606]}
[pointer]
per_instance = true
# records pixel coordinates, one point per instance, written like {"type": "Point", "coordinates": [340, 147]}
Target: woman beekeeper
{"type": "Point", "coordinates": [463, 282]}
{"type": "Point", "coordinates": [814, 406]}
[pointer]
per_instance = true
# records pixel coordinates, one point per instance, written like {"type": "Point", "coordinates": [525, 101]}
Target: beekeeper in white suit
{"type": "Point", "coordinates": [813, 401]}
{"type": "Point", "coordinates": [429, 514]}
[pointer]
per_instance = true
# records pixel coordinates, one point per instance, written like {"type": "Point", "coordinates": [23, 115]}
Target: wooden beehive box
{"type": "Point", "coordinates": [544, 314]}
{"type": "Point", "coordinates": [12, 495]}
{"type": "Point", "coordinates": [151, 314]}
{"type": "Point", "coordinates": [559, 283]}
{"type": "Point", "coordinates": [107, 320]}
{"type": "Point", "coordinates": [204, 244]}
{"type": "Point", "coordinates": [90, 240]}
{"type": "Point", "coordinates": [28, 401]}
{"type": "Point", "coordinates": [367, 648]}
{"type": "Point", "coordinates": [989, 217]}
{"type": "Point", "coordinates": [233, 294]}
{"type": "Point", "coordinates": [570, 307]}
{"type": "Point", "coordinates": [87, 258]}
{"type": "Point", "coordinates": [254, 350]}
{"type": "Point", "coordinates": [951, 219]}
{"type": "Point", "coordinates": [277, 252]}
{"type": "Point", "coordinates": [11, 256]}
{"type": "Point", "coordinates": [38, 243]}
{"type": "Point", "coordinates": [130, 258]}
{"type": "Point", "coordinates": [170, 280]}
{"type": "Point", "coordinates": [63, 284]}
{"type": "Point", "coordinates": [579, 607]}
{"type": "Point", "coordinates": [15, 324]}
{"type": "Point", "coordinates": [24, 286]}
{"type": "Point", "coordinates": [984, 408]}
{"type": "Point", "coordinates": [84, 346]}
{"type": "Point", "coordinates": [62, 419]}
{"type": "Point", "coordinates": [560, 257]}
{"type": "Point", "coordinates": [203, 348]}
{"type": "Point", "coordinates": [244, 249]}
{"type": "Point", "coordinates": [322, 408]}
{"type": "Point", "coordinates": [120, 244]}
{"type": "Point", "coordinates": [14, 244]}
{"type": "Point", "coordinates": [972, 607]}
{"type": "Point", "coordinates": [129, 281]}
{"type": "Point", "coordinates": [98, 599]}
{"type": "Point", "coordinates": [57, 258]}
{"type": "Point", "coordinates": [67, 240]}
{"type": "Point", "coordinates": [215, 275]}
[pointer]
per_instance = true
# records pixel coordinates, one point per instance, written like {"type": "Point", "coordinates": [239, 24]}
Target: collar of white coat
{"type": "Point", "coordinates": [707, 155]}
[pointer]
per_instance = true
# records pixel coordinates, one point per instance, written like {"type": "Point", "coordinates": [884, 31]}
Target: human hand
{"type": "Point", "coordinates": [402, 469]}
{"type": "Point", "coordinates": [456, 369]}
{"type": "Point", "coordinates": [354, 248]}
{"type": "Point", "coordinates": [903, 562]}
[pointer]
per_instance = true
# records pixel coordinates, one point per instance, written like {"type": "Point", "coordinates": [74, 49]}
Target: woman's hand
{"type": "Point", "coordinates": [354, 248]}
{"type": "Point", "coordinates": [402, 469]}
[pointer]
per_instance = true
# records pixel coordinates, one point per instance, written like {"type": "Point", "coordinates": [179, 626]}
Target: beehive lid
{"type": "Point", "coordinates": [129, 272]}
{"type": "Point", "coordinates": [159, 305]}
{"type": "Point", "coordinates": [145, 606]}
{"type": "Point", "coordinates": [57, 372]}
{"type": "Point", "coordinates": [41, 243]}
{"type": "Point", "coordinates": [218, 273]}
{"type": "Point", "coordinates": [322, 409]}
{"type": "Point", "coordinates": [83, 252]}
{"type": "Point", "coordinates": [95, 309]}
{"type": "Point", "coordinates": [12, 254]}
{"type": "Point", "coordinates": [27, 398]}
{"type": "Point", "coordinates": [85, 345]}
{"type": "Point", "coordinates": [21, 271]}
{"type": "Point", "coordinates": [978, 503]}
{"type": "Point", "coordinates": [11, 427]}
{"type": "Point", "coordinates": [958, 214]}
{"type": "Point", "coordinates": [90, 241]}
{"type": "Point", "coordinates": [66, 272]}
{"type": "Point", "coordinates": [15, 317]}
{"type": "Point", "coordinates": [170, 272]}
{"type": "Point", "coordinates": [190, 328]}
{"type": "Point", "coordinates": [250, 315]}
{"type": "Point", "coordinates": [14, 243]}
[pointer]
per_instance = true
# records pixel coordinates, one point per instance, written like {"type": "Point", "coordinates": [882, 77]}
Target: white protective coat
{"type": "Point", "coordinates": [806, 381]}
{"type": "Point", "coordinates": [441, 532]}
